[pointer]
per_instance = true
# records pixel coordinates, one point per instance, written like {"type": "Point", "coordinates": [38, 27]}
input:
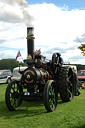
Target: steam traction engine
{"type": "Point", "coordinates": [39, 80]}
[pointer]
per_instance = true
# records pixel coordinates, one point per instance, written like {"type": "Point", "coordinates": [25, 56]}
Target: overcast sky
{"type": "Point", "coordinates": [59, 26]}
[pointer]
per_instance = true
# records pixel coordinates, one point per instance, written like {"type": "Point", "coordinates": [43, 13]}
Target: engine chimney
{"type": "Point", "coordinates": [30, 41]}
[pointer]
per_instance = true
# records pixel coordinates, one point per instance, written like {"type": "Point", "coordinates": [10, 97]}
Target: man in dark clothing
{"type": "Point", "coordinates": [59, 59]}
{"type": "Point", "coordinates": [58, 63]}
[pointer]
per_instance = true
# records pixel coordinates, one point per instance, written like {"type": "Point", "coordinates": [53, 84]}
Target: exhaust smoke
{"type": "Point", "coordinates": [17, 11]}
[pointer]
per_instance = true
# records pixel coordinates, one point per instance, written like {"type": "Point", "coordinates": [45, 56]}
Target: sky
{"type": "Point", "coordinates": [59, 26]}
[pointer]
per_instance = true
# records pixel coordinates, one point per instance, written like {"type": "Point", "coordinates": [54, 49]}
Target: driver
{"type": "Point", "coordinates": [58, 59]}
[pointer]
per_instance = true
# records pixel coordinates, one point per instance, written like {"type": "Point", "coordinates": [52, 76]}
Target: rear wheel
{"type": "Point", "coordinates": [66, 84]}
{"type": "Point", "coordinates": [12, 95]}
{"type": "Point", "coordinates": [50, 96]}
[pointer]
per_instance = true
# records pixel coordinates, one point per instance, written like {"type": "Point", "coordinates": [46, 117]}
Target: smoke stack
{"type": "Point", "coordinates": [30, 41]}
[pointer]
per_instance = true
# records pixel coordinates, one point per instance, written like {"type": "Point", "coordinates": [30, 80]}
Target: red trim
{"type": "Point", "coordinates": [81, 77]}
{"type": "Point", "coordinates": [82, 70]}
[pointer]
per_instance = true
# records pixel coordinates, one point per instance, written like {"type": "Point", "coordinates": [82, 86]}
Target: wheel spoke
{"type": "Point", "coordinates": [54, 99]}
{"type": "Point", "coordinates": [70, 84]}
{"type": "Point", "coordinates": [14, 102]}
{"type": "Point", "coordinates": [49, 100]}
{"type": "Point", "coordinates": [11, 100]}
{"type": "Point", "coordinates": [69, 77]}
{"type": "Point", "coordinates": [17, 89]}
{"type": "Point", "coordinates": [52, 104]}
{"type": "Point", "coordinates": [51, 88]}
{"type": "Point", "coordinates": [69, 91]}
{"type": "Point", "coordinates": [14, 85]}
{"type": "Point", "coordinates": [52, 95]}
{"type": "Point", "coordinates": [12, 88]}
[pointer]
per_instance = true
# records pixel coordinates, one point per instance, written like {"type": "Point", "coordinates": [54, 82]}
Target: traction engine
{"type": "Point", "coordinates": [41, 79]}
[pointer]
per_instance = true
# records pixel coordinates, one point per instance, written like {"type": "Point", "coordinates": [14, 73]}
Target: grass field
{"type": "Point", "coordinates": [34, 115]}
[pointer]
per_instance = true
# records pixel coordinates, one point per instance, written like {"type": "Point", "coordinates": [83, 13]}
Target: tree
{"type": "Point", "coordinates": [82, 48]}
{"type": "Point", "coordinates": [8, 64]}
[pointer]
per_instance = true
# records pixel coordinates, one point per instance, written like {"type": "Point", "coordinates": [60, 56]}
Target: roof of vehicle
{"type": "Point", "coordinates": [5, 70]}
{"type": "Point", "coordinates": [81, 77]}
{"type": "Point", "coordinates": [82, 70]}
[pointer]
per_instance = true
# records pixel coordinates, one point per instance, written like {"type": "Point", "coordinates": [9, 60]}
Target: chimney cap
{"type": "Point", "coordinates": [30, 31]}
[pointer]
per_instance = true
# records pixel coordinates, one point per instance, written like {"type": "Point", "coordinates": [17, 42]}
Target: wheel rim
{"type": "Point", "coordinates": [52, 97]}
{"type": "Point", "coordinates": [14, 95]}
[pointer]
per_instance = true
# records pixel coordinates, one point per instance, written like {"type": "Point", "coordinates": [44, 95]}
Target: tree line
{"type": "Point", "coordinates": [9, 64]}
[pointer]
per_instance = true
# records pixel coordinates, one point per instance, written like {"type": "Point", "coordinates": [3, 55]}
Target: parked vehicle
{"type": "Point", "coordinates": [5, 76]}
{"type": "Point", "coordinates": [81, 78]}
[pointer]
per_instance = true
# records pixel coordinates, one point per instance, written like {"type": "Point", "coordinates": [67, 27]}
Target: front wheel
{"type": "Point", "coordinates": [50, 96]}
{"type": "Point", "coordinates": [12, 95]}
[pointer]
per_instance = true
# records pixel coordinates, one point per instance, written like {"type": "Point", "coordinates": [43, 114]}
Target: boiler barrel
{"type": "Point", "coordinates": [32, 75]}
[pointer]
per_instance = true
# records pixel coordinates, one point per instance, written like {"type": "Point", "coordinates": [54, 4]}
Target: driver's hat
{"type": "Point", "coordinates": [58, 54]}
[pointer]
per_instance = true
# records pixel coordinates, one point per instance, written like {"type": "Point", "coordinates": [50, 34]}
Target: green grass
{"type": "Point", "coordinates": [34, 115]}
